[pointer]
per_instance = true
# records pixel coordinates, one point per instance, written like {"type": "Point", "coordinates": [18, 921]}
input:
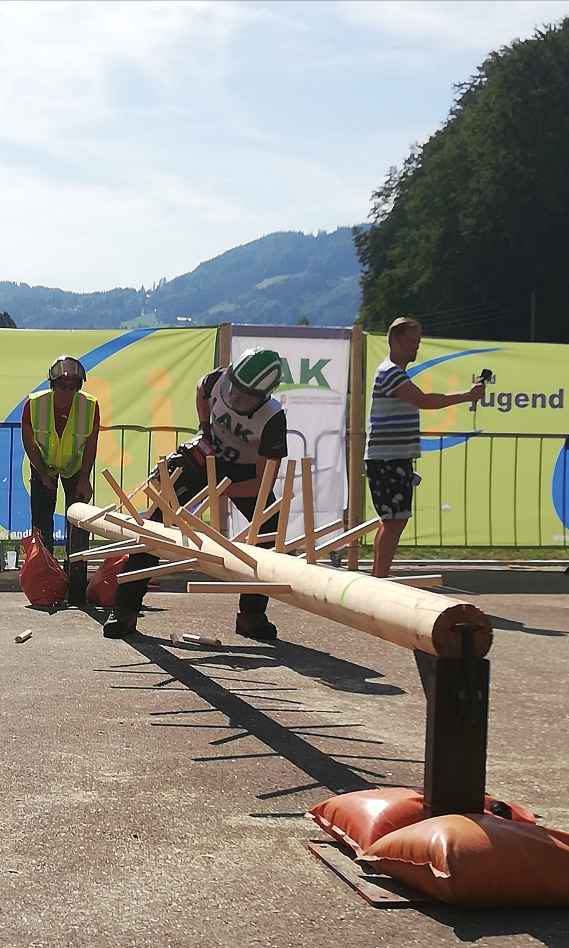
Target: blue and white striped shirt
{"type": "Point", "coordinates": [393, 430]}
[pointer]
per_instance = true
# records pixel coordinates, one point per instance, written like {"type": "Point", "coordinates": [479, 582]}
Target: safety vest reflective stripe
{"type": "Point", "coordinates": [62, 454]}
{"type": "Point", "coordinates": [40, 413]}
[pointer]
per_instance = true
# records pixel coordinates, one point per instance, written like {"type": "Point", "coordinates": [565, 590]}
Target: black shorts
{"type": "Point", "coordinates": [391, 487]}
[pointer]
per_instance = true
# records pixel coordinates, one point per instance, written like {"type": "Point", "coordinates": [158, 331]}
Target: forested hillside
{"type": "Point", "coordinates": [470, 235]}
{"type": "Point", "coordinates": [285, 278]}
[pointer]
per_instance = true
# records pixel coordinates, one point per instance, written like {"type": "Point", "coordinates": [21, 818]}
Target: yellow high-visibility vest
{"type": "Point", "coordinates": [63, 455]}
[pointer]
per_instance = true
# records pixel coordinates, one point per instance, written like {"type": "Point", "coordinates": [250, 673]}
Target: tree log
{"type": "Point", "coordinates": [409, 617]}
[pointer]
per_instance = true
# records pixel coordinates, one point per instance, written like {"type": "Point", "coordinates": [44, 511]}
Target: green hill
{"type": "Point", "coordinates": [282, 278]}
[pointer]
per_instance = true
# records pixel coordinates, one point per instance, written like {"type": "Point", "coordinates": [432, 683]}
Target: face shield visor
{"type": "Point", "coordinates": [67, 368]}
{"type": "Point", "coordinates": [239, 400]}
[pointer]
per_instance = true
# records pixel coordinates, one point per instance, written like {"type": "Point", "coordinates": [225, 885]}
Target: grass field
{"type": "Point", "coordinates": [475, 553]}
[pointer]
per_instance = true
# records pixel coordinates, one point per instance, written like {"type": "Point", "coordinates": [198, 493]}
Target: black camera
{"type": "Point", "coordinates": [486, 375]}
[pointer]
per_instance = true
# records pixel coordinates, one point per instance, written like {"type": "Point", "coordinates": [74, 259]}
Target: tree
{"type": "Point", "coordinates": [6, 321]}
{"type": "Point", "coordinates": [474, 223]}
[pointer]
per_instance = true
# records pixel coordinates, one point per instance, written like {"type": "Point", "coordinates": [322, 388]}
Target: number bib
{"type": "Point", "coordinates": [236, 437]}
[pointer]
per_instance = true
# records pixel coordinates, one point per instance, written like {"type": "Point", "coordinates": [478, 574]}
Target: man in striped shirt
{"type": "Point", "coordinates": [393, 437]}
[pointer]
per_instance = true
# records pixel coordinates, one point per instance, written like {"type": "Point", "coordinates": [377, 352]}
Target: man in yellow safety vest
{"type": "Point", "coordinates": [60, 427]}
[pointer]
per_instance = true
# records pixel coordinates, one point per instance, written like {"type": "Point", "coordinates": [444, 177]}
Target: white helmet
{"type": "Point", "coordinates": [66, 367]}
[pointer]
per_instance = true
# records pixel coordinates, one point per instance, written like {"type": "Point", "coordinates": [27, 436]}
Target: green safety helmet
{"type": "Point", "coordinates": [248, 382]}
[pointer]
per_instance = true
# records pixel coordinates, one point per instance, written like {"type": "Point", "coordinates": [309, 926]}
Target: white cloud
{"type": "Point", "coordinates": [452, 24]}
{"type": "Point", "coordinates": [57, 59]}
{"type": "Point", "coordinates": [140, 138]}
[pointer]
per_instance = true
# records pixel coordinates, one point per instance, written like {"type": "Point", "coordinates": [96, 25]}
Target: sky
{"type": "Point", "coordinates": [138, 139]}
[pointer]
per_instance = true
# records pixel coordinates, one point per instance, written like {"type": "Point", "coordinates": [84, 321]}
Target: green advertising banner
{"type": "Point", "coordinates": [511, 489]}
{"type": "Point", "coordinates": [145, 378]}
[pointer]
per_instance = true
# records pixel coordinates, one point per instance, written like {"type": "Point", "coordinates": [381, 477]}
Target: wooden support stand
{"type": "Point", "coordinates": [456, 690]}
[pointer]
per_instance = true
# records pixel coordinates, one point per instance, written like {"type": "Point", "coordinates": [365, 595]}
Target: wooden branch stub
{"type": "Point", "coordinates": [178, 566]}
{"type": "Point", "coordinates": [265, 589]}
{"type": "Point", "coordinates": [346, 538]}
{"type": "Point", "coordinates": [96, 551]}
{"type": "Point", "coordinates": [174, 516]}
{"type": "Point", "coordinates": [308, 504]}
{"type": "Point", "coordinates": [430, 581]}
{"type": "Point", "coordinates": [202, 497]}
{"type": "Point", "coordinates": [267, 481]}
{"type": "Point", "coordinates": [286, 500]}
{"type": "Point", "coordinates": [298, 542]}
{"type": "Point", "coordinates": [125, 502]}
{"type": "Point", "coordinates": [167, 492]}
{"type": "Point", "coordinates": [102, 552]}
{"type": "Point", "coordinates": [266, 515]}
{"type": "Point", "coordinates": [214, 508]}
{"type": "Point", "coordinates": [153, 538]}
{"type": "Point", "coordinates": [101, 513]}
{"type": "Point", "coordinates": [217, 537]}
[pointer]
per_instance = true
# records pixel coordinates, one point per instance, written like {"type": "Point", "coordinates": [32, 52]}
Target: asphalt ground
{"type": "Point", "coordinates": [154, 796]}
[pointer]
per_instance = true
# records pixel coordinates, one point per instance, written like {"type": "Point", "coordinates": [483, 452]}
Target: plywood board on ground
{"type": "Point", "coordinates": [379, 890]}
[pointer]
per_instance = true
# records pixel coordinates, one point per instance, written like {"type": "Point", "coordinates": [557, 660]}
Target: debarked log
{"type": "Point", "coordinates": [409, 617]}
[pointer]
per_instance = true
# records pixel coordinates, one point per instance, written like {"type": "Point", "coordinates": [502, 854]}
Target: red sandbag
{"type": "Point", "coordinates": [477, 861]}
{"type": "Point", "coordinates": [103, 583]}
{"type": "Point", "coordinates": [41, 577]}
{"type": "Point", "coordinates": [358, 819]}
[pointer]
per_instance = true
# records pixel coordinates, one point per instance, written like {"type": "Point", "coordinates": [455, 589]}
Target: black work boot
{"type": "Point", "coordinates": [255, 625]}
{"type": "Point", "coordinates": [119, 625]}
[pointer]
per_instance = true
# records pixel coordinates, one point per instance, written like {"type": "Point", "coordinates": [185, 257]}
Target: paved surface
{"type": "Point", "coordinates": [153, 796]}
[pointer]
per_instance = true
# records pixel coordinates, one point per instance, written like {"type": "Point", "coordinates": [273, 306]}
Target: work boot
{"type": "Point", "coordinates": [117, 626]}
{"type": "Point", "coordinates": [255, 625]}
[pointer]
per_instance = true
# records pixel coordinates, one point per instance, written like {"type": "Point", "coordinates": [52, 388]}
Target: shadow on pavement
{"type": "Point", "coordinates": [335, 673]}
{"type": "Point", "coordinates": [512, 625]}
{"type": "Point", "coordinates": [508, 581]}
{"type": "Point", "coordinates": [548, 926]}
{"type": "Point", "coordinates": [325, 771]}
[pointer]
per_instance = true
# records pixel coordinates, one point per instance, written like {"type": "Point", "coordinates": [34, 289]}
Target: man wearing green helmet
{"type": "Point", "coordinates": [243, 427]}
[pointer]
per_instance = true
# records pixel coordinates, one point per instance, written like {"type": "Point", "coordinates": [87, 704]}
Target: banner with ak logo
{"type": "Point", "coordinates": [313, 393]}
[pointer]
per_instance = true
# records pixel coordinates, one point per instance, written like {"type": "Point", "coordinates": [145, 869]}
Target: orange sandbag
{"type": "Point", "coordinates": [103, 583]}
{"type": "Point", "coordinates": [358, 819]}
{"type": "Point", "coordinates": [41, 577]}
{"type": "Point", "coordinates": [477, 861]}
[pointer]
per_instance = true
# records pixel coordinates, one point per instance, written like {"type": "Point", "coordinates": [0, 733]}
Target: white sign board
{"type": "Point", "coordinates": [313, 393]}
